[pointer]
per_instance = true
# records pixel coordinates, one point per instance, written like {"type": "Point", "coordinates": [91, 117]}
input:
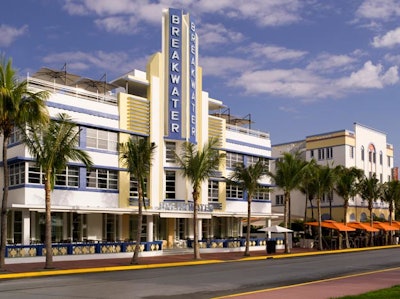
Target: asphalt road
{"type": "Point", "coordinates": [201, 281]}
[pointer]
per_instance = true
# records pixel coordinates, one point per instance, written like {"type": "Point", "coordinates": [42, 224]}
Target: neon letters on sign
{"type": "Point", "coordinates": [192, 81]}
{"type": "Point", "coordinates": [175, 72]}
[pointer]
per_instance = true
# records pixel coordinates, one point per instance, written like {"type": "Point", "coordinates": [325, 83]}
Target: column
{"type": "Point", "coordinates": [26, 227]}
{"type": "Point", "coordinates": [150, 228]}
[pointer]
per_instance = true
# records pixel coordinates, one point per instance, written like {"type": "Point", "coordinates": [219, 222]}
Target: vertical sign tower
{"type": "Point", "coordinates": [180, 50]}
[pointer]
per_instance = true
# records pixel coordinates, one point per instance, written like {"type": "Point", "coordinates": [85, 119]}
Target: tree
{"type": "Point", "coordinates": [391, 195]}
{"type": "Point", "coordinates": [324, 179]}
{"type": "Point", "coordinates": [247, 178]}
{"type": "Point", "coordinates": [198, 165]}
{"type": "Point", "coordinates": [136, 155]}
{"type": "Point", "coordinates": [346, 186]}
{"type": "Point", "coordinates": [370, 190]}
{"type": "Point", "coordinates": [289, 171]}
{"type": "Point", "coordinates": [18, 106]}
{"type": "Point", "coordinates": [53, 146]}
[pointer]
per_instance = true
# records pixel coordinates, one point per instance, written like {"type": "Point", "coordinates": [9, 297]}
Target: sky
{"type": "Point", "coordinates": [297, 67]}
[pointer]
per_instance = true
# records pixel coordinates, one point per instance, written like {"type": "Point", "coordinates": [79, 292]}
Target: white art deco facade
{"type": "Point", "coordinates": [166, 104]}
{"type": "Point", "coordinates": [364, 148]}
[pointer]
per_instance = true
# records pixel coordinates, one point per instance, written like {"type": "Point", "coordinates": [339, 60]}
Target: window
{"type": "Point", "coordinates": [170, 178]}
{"type": "Point", "coordinates": [101, 139]}
{"type": "Point", "coordinates": [213, 191]}
{"type": "Point", "coordinates": [68, 177]}
{"type": "Point", "coordinates": [133, 190]}
{"type": "Point", "coordinates": [262, 193]}
{"type": "Point", "coordinates": [232, 159]}
{"type": "Point", "coordinates": [16, 174]}
{"type": "Point", "coordinates": [381, 178]}
{"type": "Point", "coordinates": [388, 160]}
{"type": "Point", "coordinates": [321, 154]}
{"type": "Point", "coordinates": [170, 148]}
{"type": "Point", "coordinates": [233, 191]}
{"type": "Point", "coordinates": [351, 152]}
{"type": "Point", "coordinates": [279, 199]}
{"type": "Point", "coordinates": [15, 136]}
{"type": "Point", "coordinates": [380, 158]}
{"type": "Point", "coordinates": [311, 154]}
{"type": "Point", "coordinates": [362, 153]}
{"type": "Point", "coordinates": [102, 179]}
{"type": "Point", "coordinates": [35, 176]}
{"type": "Point", "coordinates": [329, 152]}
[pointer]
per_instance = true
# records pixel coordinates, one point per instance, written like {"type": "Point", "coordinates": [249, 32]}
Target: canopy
{"type": "Point", "coordinates": [94, 85]}
{"type": "Point", "coordinates": [332, 225]}
{"type": "Point", "coordinates": [384, 226]}
{"type": "Point", "coordinates": [396, 224]}
{"type": "Point", "coordinates": [55, 76]}
{"type": "Point", "coordinates": [363, 226]}
{"type": "Point", "coordinates": [275, 229]}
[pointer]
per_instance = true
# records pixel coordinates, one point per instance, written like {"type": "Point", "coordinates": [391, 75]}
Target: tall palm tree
{"type": "Point", "coordinates": [391, 195]}
{"type": "Point", "coordinates": [308, 189]}
{"type": "Point", "coordinates": [18, 106]}
{"type": "Point", "coordinates": [198, 165]}
{"type": "Point", "coordinates": [53, 146]}
{"type": "Point", "coordinates": [137, 154]}
{"type": "Point", "coordinates": [324, 179]}
{"type": "Point", "coordinates": [346, 186]}
{"type": "Point", "coordinates": [289, 171]}
{"type": "Point", "coordinates": [370, 190]}
{"type": "Point", "coordinates": [247, 178]}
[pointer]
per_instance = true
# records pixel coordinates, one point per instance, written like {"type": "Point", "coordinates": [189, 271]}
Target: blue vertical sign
{"type": "Point", "coordinates": [175, 73]}
{"type": "Point", "coordinates": [192, 81]}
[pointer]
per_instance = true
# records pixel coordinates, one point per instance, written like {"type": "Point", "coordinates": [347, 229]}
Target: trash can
{"type": "Point", "coordinates": [271, 246]}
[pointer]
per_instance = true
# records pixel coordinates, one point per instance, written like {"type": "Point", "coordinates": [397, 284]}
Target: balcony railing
{"type": "Point", "coordinates": [246, 131]}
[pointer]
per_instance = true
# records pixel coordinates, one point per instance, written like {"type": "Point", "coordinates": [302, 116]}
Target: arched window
{"type": "Point", "coordinates": [363, 217]}
{"type": "Point", "coordinates": [371, 153]}
{"type": "Point", "coordinates": [352, 217]}
{"type": "Point", "coordinates": [325, 216]}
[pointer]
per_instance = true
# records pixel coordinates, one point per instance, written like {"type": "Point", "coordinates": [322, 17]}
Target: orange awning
{"type": "Point", "coordinates": [384, 226]}
{"type": "Point", "coordinates": [332, 225]}
{"type": "Point", "coordinates": [396, 224]}
{"type": "Point", "coordinates": [363, 226]}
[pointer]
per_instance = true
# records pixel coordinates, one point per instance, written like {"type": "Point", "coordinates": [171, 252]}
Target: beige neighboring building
{"type": "Point", "coordinates": [365, 148]}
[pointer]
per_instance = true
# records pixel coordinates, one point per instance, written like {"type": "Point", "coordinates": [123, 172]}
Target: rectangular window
{"type": "Point", "coordinates": [16, 174]}
{"type": "Point", "coordinates": [15, 136]}
{"type": "Point", "coordinates": [329, 152]}
{"type": "Point", "coordinates": [279, 199]}
{"type": "Point", "coordinates": [213, 191]}
{"type": "Point", "coordinates": [34, 174]}
{"type": "Point", "coordinates": [102, 179]}
{"type": "Point", "coordinates": [311, 154]}
{"type": "Point", "coordinates": [351, 152]}
{"type": "Point", "coordinates": [232, 159]}
{"type": "Point", "coordinates": [381, 178]}
{"type": "Point", "coordinates": [233, 191]}
{"type": "Point", "coordinates": [170, 148]}
{"type": "Point", "coordinates": [262, 193]}
{"type": "Point", "coordinates": [133, 190]}
{"type": "Point", "coordinates": [321, 154]}
{"type": "Point", "coordinates": [69, 177]}
{"type": "Point", "coordinates": [101, 139]}
{"type": "Point", "coordinates": [388, 160]}
{"type": "Point", "coordinates": [170, 185]}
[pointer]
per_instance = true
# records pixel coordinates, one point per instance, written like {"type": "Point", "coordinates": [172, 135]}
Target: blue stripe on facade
{"type": "Point", "coordinates": [82, 110]}
{"type": "Point", "coordinates": [252, 145]}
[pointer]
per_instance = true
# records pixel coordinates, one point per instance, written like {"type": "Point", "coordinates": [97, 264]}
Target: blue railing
{"type": "Point", "coordinates": [80, 248]}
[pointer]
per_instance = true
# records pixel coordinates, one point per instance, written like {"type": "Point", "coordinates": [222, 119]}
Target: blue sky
{"type": "Point", "coordinates": [299, 67]}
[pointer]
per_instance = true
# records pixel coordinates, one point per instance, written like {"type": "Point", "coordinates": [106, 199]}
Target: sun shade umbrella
{"type": "Point", "coordinates": [98, 86]}
{"type": "Point", "coordinates": [363, 226]}
{"type": "Point", "coordinates": [275, 229]}
{"type": "Point", "coordinates": [55, 76]}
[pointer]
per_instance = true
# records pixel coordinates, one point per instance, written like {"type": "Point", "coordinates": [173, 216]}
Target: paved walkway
{"type": "Point", "coordinates": [349, 285]}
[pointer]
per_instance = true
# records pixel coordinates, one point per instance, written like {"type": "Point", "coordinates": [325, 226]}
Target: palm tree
{"type": "Point", "coordinates": [52, 146]}
{"type": "Point", "coordinates": [346, 186]}
{"type": "Point", "coordinates": [289, 171]}
{"type": "Point", "coordinates": [198, 165]}
{"type": "Point", "coordinates": [391, 195]}
{"type": "Point", "coordinates": [308, 189]}
{"type": "Point", "coordinates": [370, 190]}
{"type": "Point", "coordinates": [247, 178]}
{"type": "Point", "coordinates": [324, 179]}
{"type": "Point", "coordinates": [18, 106]}
{"type": "Point", "coordinates": [137, 154]}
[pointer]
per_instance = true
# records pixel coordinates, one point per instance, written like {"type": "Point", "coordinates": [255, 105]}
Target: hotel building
{"type": "Point", "coordinates": [165, 104]}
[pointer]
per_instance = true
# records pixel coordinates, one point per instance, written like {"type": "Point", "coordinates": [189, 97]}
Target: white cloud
{"type": "Point", "coordinates": [382, 9]}
{"type": "Point", "coordinates": [370, 76]}
{"type": "Point", "coordinates": [223, 66]}
{"type": "Point", "coordinates": [328, 62]}
{"type": "Point", "coordinates": [124, 25]}
{"type": "Point", "coordinates": [394, 59]}
{"type": "Point", "coordinates": [211, 34]}
{"type": "Point", "coordinates": [9, 34]}
{"type": "Point", "coordinates": [275, 53]}
{"type": "Point", "coordinates": [390, 39]}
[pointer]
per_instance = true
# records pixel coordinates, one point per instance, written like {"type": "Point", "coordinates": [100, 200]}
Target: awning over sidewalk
{"type": "Point", "coordinates": [332, 225]}
{"type": "Point", "coordinates": [363, 226]}
{"type": "Point", "coordinates": [384, 226]}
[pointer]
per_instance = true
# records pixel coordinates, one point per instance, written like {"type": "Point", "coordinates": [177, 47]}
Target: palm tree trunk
{"type": "Point", "coordinates": [247, 247]}
{"type": "Point", "coordinates": [135, 257]}
{"type": "Point", "coordinates": [3, 216]}
{"type": "Point", "coordinates": [196, 249]}
{"type": "Point", "coordinates": [371, 220]}
{"type": "Point", "coordinates": [49, 252]}
{"type": "Point", "coordinates": [345, 223]}
{"type": "Point", "coordinates": [319, 224]}
{"type": "Point", "coordinates": [285, 221]}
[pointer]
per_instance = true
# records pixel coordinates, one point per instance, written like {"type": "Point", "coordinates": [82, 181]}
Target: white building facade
{"type": "Point", "coordinates": [364, 148]}
{"type": "Point", "coordinates": [165, 104]}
